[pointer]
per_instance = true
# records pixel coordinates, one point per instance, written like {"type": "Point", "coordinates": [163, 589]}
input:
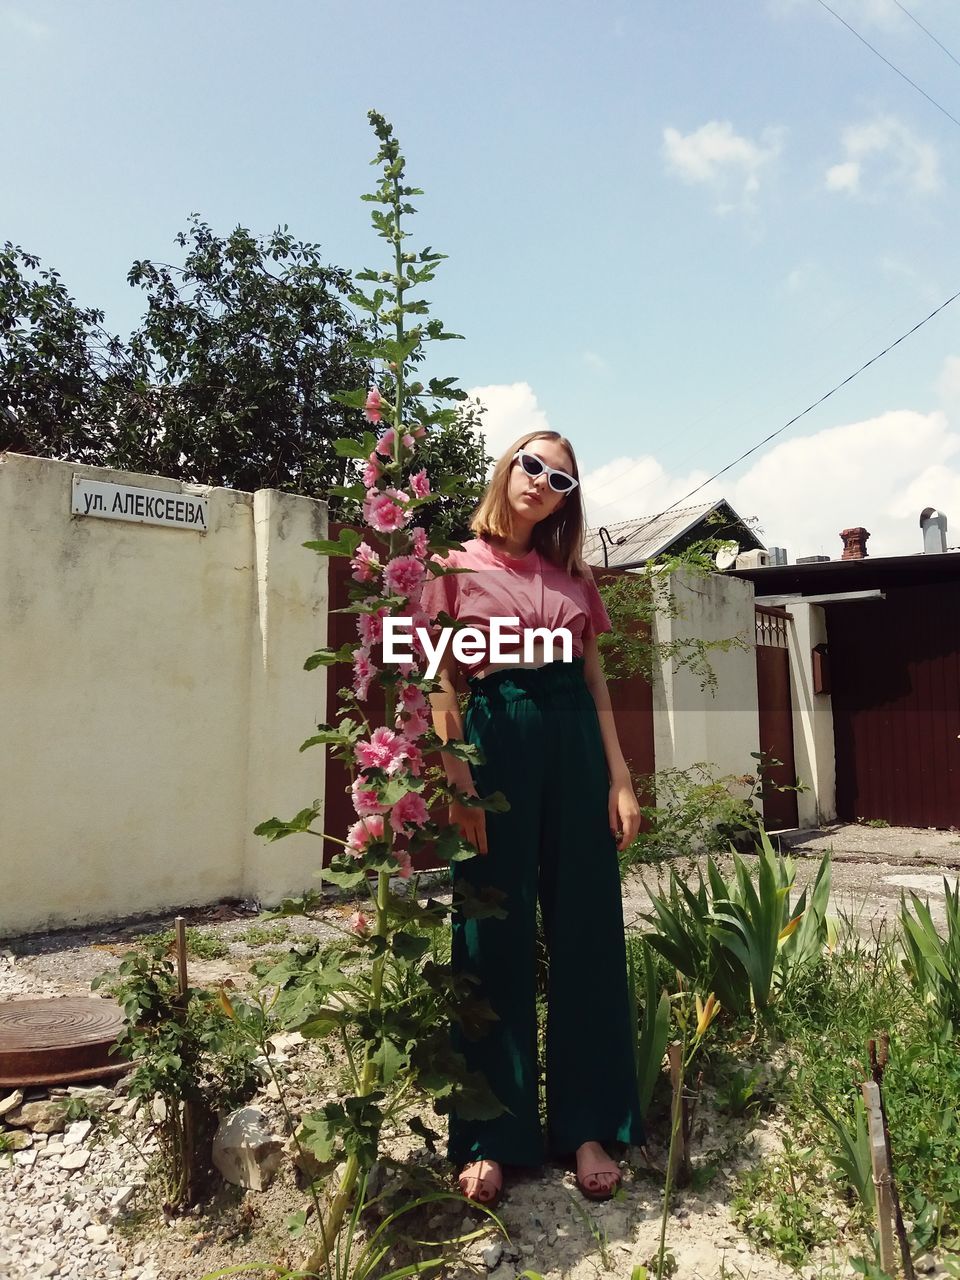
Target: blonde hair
{"type": "Point", "coordinates": [558, 538]}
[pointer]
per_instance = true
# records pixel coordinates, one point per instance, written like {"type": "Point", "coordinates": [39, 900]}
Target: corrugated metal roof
{"type": "Point", "coordinates": [643, 538]}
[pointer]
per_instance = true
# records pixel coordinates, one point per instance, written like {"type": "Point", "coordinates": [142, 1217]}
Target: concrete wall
{"type": "Point", "coordinates": [153, 699]}
{"type": "Point", "coordinates": [812, 719]}
{"type": "Point", "coordinates": [718, 725]}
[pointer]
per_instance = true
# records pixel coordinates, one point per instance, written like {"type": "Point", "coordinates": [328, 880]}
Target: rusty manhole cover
{"type": "Point", "coordinates": [56, 1041]}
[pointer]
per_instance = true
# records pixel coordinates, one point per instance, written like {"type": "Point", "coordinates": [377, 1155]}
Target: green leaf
{"type": "Point", "coordinates": [276, 828]}
{"type": "Point", "coordinates": [345, 879]}
{"type": "Point", "coordinates": [345, 545]}
{"type": "Point", "coordinates": [408, 948]}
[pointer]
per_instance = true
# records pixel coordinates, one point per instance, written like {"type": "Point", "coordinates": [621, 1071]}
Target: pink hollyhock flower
{"type": "Point", "coordinates": [413, 758]}
{"type": "Point", "coordinates": [420, 484]}
{"type": "Point", "coordinates": [372, 405]}
{"type": "Point", "coordinates": [382, 510]}
{"type": "Point", "coordinates": [386, 750]}
{"type": "Point", "coordinates": [419, 431]}
{"type": "Point", "coordinates": [365, 800]}
{"type": "Point", "coordinates": [409, 812]}
{"type": "Point", "coordinates": [419, 621]}
{"type": "Point", "coordinates": [371, 472]}
{"type": "Point", "coordinates": [408, 668]}
{"type": "Point", "coordinates": [403, 576]}
{"type": "Point", "coordinates": [404, 864]}
{"type": "Point", "coordinates": [363, 672]}
{"type": "Point", "coordinates": [359, 924]}
{"type": "Point", "coordinates": [370, 627]}
{"type": "Point", "coordinates": [413, 698]}
{"type": "Point", "coordinates": [362, 832]}
{"type": "Point", "coordinates": [384, 445]}
{"type": "Point", "coordinates": [421, 543]}
{"type": "Point", "coordinates": [365, 563]}
{"type": "Point", "coordinates": [416, 724]}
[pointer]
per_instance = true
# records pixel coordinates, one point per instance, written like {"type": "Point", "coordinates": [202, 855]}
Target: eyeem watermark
{"type": "Point", "coordinates": [468, 643]}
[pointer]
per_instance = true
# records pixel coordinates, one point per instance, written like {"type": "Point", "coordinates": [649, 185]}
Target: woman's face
{"type": "Point", "coordinates": [531, 498]}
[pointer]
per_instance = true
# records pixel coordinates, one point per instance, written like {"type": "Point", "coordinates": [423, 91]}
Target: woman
{"type": "Point", "coordinates": [547, 735]}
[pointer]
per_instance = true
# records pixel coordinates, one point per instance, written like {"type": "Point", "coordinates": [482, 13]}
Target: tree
{"type": "Point", "coordinates": [229, 378]}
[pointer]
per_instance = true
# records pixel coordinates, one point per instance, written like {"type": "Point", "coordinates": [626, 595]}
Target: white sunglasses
{"type": "Point", "coordinates": [558, 481]}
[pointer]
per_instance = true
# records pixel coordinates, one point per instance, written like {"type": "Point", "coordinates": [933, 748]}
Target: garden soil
{"type": "Point", "coordinates": [88, 1216]}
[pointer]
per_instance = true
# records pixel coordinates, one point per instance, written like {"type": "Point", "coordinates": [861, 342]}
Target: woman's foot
{"type": "Point", "coordinates": [597, 1175]}
{"type": "Point", "coordinates": [482, 1182]}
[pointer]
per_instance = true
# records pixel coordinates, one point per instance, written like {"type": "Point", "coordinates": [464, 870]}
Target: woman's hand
{"type": "Point", "coordinates": [471, 822]}
{"type": "Point", "coordinates": [624, 812]}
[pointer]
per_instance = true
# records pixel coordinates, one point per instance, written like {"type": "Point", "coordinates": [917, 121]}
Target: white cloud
{"type": "Point", "coordinates": [879, 473]}
{"type": "Point", "coordinates": [716, 156]}
{"type": "Point", "coordinates": [595, 362]}
{"type": "Point", "coordinates": [889, 155]}
{"type": "Point", "coordinates": [512, 410]}
{"type": "Point", "coordinates": [630, 487]}
{"type": "Point", "coordinates": [844, 177]}
{"type": "Point", "coordinates": [24, 24]}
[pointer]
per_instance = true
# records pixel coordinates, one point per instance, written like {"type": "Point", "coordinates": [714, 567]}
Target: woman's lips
{"type": "Point", "coordinates": [533, 497]}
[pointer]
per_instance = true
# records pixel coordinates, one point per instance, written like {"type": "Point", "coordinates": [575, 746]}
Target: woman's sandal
{"type": "Point", "coordinates": [491, 1180]}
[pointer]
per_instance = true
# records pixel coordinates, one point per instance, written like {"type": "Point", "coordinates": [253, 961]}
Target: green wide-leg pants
{"type": "Point", "coordinates": [540, 738]}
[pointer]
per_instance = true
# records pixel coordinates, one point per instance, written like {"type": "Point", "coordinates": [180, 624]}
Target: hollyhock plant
{"type": "Point", "coordinates": [373, 405]}
{"type": "Point", "coordinates": [385, 750]}
{"type": "Point", "coordinates": [408, 813]}
{"type": "Point", "coordinates": [404, 864]}
{"type": "Point", "coordinates": [365, 563]}
{"type": "Point", "coordinates": [370, 627]}
{"type": "Point", "coordinates": [403, 576]}
{"type": "Point", "coordinates": [362, 832]}
{"type": "Point", "coordinates": [359, 924]}
{"type": "Point", "coordinates": [391, 790]}
{"type": "Point", "coordinates": [419, 542]}
{"type": "Point", "coordinates": [365, 799]}
{"type": "Point", "coordinates": [383, 511]}
{"type": "Point", "coordinates": [420, 484]}
{"type": "Point", "coordinates": [363, 673]}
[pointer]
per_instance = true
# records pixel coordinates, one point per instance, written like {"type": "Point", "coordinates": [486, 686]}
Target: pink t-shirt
{"type": "Point", "coordinates": [530, 588]}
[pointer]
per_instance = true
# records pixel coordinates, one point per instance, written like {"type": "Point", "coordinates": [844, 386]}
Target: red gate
{"type": "Point", "coordinates": [776, 716]}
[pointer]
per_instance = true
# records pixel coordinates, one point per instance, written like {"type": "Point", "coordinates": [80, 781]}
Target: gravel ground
{"type": "Point", "coordinates": [97, 1220]}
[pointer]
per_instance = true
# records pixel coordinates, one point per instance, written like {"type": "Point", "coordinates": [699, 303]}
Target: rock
{"type": "Point", "coordinates": [10, 1102]}
{"type": "Point", "coordinates": [122, 1198]}
{"type": "Point", "coordinates": [272, 1091]}
{"type": "Point", "coordinates": [75, 1159]}
{"type": "Point", "coordinates": [284, 1041]}
{"type": "Point", "coordinates": [53, 1149]}
{"type": "Point", "coordinates": [129, 1108]}
{"type": "Point", "coordinates": [19, 1140]}
{"type": "Point", "coordinates": [48, 1268]}
{"type": "Point", "coordinates": [925, 1263]}
{"type": "Point", "coordinates": [492, 1254]}
{"type": "Point", "coordinates": [96, 1233]}
{"type": "Point", "coordinates": [246, 1151]}
{"type": "Point", "coordinates": [25, 1158]}
{"type": "Point", "coordinates": [77, 1133]}
{"type": "Point", "coordinates": [40, 1117]}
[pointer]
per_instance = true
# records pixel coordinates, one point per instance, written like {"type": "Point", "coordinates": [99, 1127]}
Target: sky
{"type": "Point", "coordinates": [672, 224]}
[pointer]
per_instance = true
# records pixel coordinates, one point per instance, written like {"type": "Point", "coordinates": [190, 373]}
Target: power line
{"type": "Point", "coordinates": [902, 74]}
{"type": "Point", "coordinates": [939, 44]}
{"type": "Point", "coordinates": [810, 407]}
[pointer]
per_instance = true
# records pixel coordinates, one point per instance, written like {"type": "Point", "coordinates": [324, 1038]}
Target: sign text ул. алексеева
{"type": "Point", "coordinates": [147, 506]}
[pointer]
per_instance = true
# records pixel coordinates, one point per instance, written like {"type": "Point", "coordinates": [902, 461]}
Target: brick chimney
{"type": "Point", "coordinates": [854, 544]}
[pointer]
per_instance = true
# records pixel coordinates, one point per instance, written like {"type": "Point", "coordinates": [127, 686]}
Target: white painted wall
{"type": "Point", "coordinates": [153, 699]}
{"type": "Point", "coordinates": [719, 725]}
{"type": "Point", "coordinates": [813, 746]}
